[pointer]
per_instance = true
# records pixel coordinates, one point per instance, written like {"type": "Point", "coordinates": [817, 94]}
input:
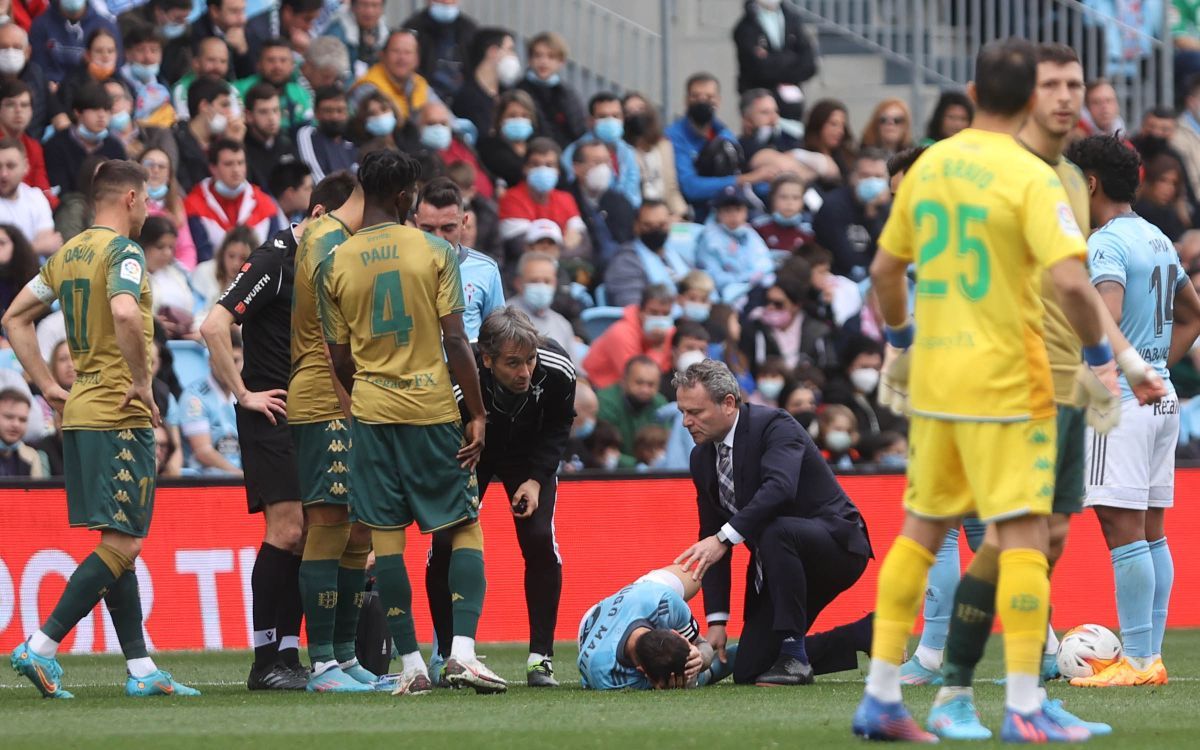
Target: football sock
{"type": "Point", "coordinates": [412, 662]}
{"type": "Point", "coordinates": [319, 586]}
{"type": "Point", "coordinates": [1133, 568]}
{"type": "Point", "coordinates": [1023, 604]}
{"type": "Point", "coordinates": [536, 659]}
{"type": "Point", "coordinates": [395, 594]}
{"type": "Point", "coordinates": [950, 692]}
{"type": "Point", "coordinates": [139, 668]}
{"type": "Point", "coordinates": [125, 608]}
{"type": "Point", "coordinates": [463, 648]}
{"type": "Point", "coordinates": [793, 646]}
{"type": "Point", "coordinates": [87, 586]}
{"type": "Point", "coordinates": [939, 602]}
{"type": "Point", "coordinates": [974, 530]}
{"type": "Point", "coordinates": [1164, 578]}
{"type": "Point", "coordinates": [971, 621]}
{"type": "Point", "coordinates": [270, 568]}
{"type": "Point", "coordinates": [900, 587]}
{"type": "Point", "coordinates": [291, 612]}
{"type": "Point", "coordinates": [1051, 639]}
{"type": "Point", "coordinates": [467, 580]}
{"type": "Point", "coordinates": [352, 579]}
{"type": "Point", "coordinates": [43, 645]}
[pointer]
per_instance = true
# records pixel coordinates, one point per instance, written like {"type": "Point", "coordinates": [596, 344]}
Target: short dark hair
{"type": "Point", "coordinates": [1057, 53]}
{"type": "Point", "coordinates": [1005, 75]}
{"type": "Point", "coordinates": [650, 204]}
{"type": "Point", "coordinates": [541, 145]}
{"type": "Point", "coordinates": [223, 144]}
{"type": "Point", "coordinates": [750, 96]}
{"type": "Point", "coordinates": [325, 93]}
{"type": "Point", "coordinates": [1161, 111]}
{"type": "Point", "coordinates": [91, 95]}
{"type": "Point", "coordinates": [273, 43]}
{"type": "Point", "coordinates": [171, 4]}
{"type": "Point", "coordinates": [205, 89]}
{"type": "Point", "coordinates": [701, 77]}
{"type": "Point", "coordinates": [656, 293]}
{"type": "Point", "coordinates": [871, 153]}
{"type": "Point", "coordinates": [904, 160]}
{"type": "Point", "coordinates": [602, 97]}
{"type": "Point", "coordinates": [441, 192]}
{"type": "Point", "coordinates": [1116, 166]}
{"type": "Point", "coordinates": [636, 361]}
{"type": "Point", "coordinates": [117, 176]}
{"type": "Point", "coordinates": [578, 157]}
{"type": "Point", "coordinates": [484, 40]}
{"type": "Point", "coordinates": [13, 88]}
{"type": "Point", "coordinates": [302, 6]}
{"type": "Point", "coordinates": [260, 92]}
{"type": "Point", "coordinates": [15, 394]}
{"type": "Point", "coordinates": [155, 228]}
{"type": "Point", "coordinates": [289, 172]}
{"type": "Point", "coordinates": [387, 173]}
{"type": "Point", "coordinates": [689, 329]}
{"type": "Point", "coordinates": [140, 32]}
{"type": "Point", "coordinates": [662, 654]}
{"type": "Point", "coordinates": [333, 191]}
{"type": "Point", "coordinates": [8, 142]}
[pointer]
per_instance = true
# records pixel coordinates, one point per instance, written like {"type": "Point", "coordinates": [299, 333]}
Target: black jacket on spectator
{"type": "Point", "coordinates": [1164, 217]}
{"type": "Point", "coordinates": [240, 66]}
{"type": "Point", "coordinates": [192, 166]}
{"type": "Point", "coordinates": [443, 51]}
{"type": "Point", "coordinates": [872, 418]}
{"type": "Point", "coordinates": [35, 78]}
{"type": "Point", "coordinates": [500, 160]}
{"type": "Point", "coordinates": [560, 110]}
{"type": "Point", "coordinates": [842, 228]}
{"type": "Point", "coordinates": [761, 65]}
{"type": "Point", "coordinates": [780, 141]}
{"type": "Point", "coordinates": [487, 228]}
{"type": "Point", "coordinates": [475, 104]}
{"type": "Point", "coordinates": [816, 344]}
{"type": "Point", "coordinates": [52, 446]}
{"type": "Point", "coordinates": [261, 158]}
{"type": "Point", "coordinates": [64, 153]}
{"type": "Point", "coordinates": [609, 223]}
{"type": "Point", "coordinates": [323, 154]}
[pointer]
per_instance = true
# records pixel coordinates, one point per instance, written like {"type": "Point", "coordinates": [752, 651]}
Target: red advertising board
{"type": "Point", "coordinates": [195, 567]}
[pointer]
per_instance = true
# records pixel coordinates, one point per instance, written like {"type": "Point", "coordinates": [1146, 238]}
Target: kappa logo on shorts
{"type": "Point", "coordinates": [123, 476]}
{"type": "Point", "coordinates": [395, 612]}
{"type": "Point", "coordinates": [121, 496]}
{"type": "Point", "coordinates": [124, 455]}
{"type": "Point", "coordinates": [125, 435]}
{"type": "Point", "coordinates": [327, 599]}
{"type": "Point", "coordinates": [1047, 490]}
{"type": "Point", "coordinates": [335, 426]}
{"type": "Point", "coordinates": [1043, 464]}
{"type": "Point", "coordinates": [337, 446]}
{"type": "Point", "coordinates": [337, 467]}
{"type": "Point", "coordinates": [474, 502]}
{"type": "Point", "coordinates": [120, 516]}
{"type": "Point", "coordinates": [338, 489]}
{"type": "Point", "coordinates": [457, 597]}
{"type": "Point", "coordinates": [1039, 437]}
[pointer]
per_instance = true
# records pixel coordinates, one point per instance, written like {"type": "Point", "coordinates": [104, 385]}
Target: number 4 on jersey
{"type": "Point", "coordinates": [388, 316]}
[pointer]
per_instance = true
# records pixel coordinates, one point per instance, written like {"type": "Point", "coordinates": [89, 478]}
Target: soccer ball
{"type": "Point", "coordinates": [1087, 650]}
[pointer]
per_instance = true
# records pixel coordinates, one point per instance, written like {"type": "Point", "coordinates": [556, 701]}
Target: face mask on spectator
{"type": "Point", "coordinates": [697, 311]}
{"type": "Point", "coordinates": [227, 192]}
{"type": "Point", "coordinates": [599, 178]}
{"type": "Point", "coordinates": [687, 359]}
{"type": "Point", "coordinates": [508, 70]}
{"type": "Point", "coordinates": [653, 239]}
{"type": "Point", "coordinates": [787, 221]}
{"type": "Point", "coordinates": [805, 418]}
{"type": "Point", "coordinates": [71, 7]}
{"type": "Point", "coordinates": [542, 179]}
{"type": "Point", "coordinates": [700, 113]}
{"type": "Point", "coordinates": [157, 192]}
{"type": "Point", "coordinates": [331, 128]}
{"type": "Point", "coordinates": [118, 122]}
{"type": "Point", "coordinates": [90, 136]}
{"type": "Point", "coordinates": [611, 459]}
{"type": "Point", "coordinates": [777, 318]}
{"type": "Point", "coordinates": [381, 125]}
{"type": "Point", "coordinates": [538, 296]}
{"type": "Point", "coordinates": [549, 83]}
{"type": "Point", "coordinates": [765, 133]}
{"type": "Point", "coordinates": [585, 429]}
{"type": "Point", "coordinates": [838, 441]}
{"type": "Point", "coordinates": [101, 72]}
{"type": "Point", "coordinates": [637, 404]}
{"type": "Point", "coordinates": [635, 126]}
{"type": "Point", "coordinates": [436, 137]}
{"type": "Point", "coordinates": [144, 73]}
{"type": "Point", "coordinates": [657, 324]}
{"type": "Point", "coordinates": [443, 13]}
{"type": "Point", "coordinates": [894, 460]}
{"type": "Point", "coordinates": [865, 379]}
{"type": "Point", "coordinates": [610, 129]}
{"type": "Point", "coordinates": [174, 30]}
{"type": "Point", "coordinates": [218, 123]}
{"type": "Point", "coordinates": [516, 130]}
{"type": "Point", "coordinates": [770, 389]}
{"type": "Point", "coordinates": [12, 61]}
{"type": "Point", "coordinates": [870, 188]}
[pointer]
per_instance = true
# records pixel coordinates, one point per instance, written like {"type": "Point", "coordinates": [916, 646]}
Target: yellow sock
{"type": "Point", "coordinates": [901, 591]}
{"type": "Point", "coordinates": [1023, 604]}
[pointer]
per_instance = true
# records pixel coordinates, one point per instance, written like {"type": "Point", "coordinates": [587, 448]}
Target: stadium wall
{"type": "Point", "coordinates": [195, 568]}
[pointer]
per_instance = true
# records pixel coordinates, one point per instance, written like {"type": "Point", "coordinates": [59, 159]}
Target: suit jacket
{"type": "Point", "coordinates": [777, 472]}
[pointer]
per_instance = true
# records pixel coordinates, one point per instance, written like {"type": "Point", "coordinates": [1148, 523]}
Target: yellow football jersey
{"type": "Point", "coordinates": [85, 273]}
{"type": "Point", "coordinates": [1062, 343]}
{"type": "Point", "coordinates": [311, 397]}
{"type": "Point", "coordinates": [384, 291]}
{"type": "Point", "coordinates": [981, 217]}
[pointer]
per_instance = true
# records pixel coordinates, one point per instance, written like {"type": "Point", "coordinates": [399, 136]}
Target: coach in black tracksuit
{"type": "Point", "coordinates": [528, 388]}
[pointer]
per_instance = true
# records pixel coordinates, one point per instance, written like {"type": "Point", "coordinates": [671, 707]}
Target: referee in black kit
{"type": "Point", "coordinates": [528, 386]}
{"type": "Point", "coordinates": [260, 300]}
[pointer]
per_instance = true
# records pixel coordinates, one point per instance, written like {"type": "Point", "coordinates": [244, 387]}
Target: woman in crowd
{"type": "Point", "coordinates": [99, 64]}
{"type": "Point", "coordinates": [781, 328]}
{"type": "Point", "coordinates": [952, 113]}
{"type": "Point", "coordinates": [1162, 200]}
{"type": "Point", "coordinates": [655, 154]}
{"type": "Point", "coordinates": [212, 276]}
{"type": "Point", "coordinates": [890, 127]}
{"type": "Point", "coordinates": [503, 150]}
{"type": "Point", "coordinates": [827, 134]}
{"type": "Point", "coordinates": [376, 124]}
{"type": "Point", "coordinates": [165, 198]}
{"type": "Point", "coordinates": [561, 111]}
{"type": "Point", "coordinates": [175, 302]}
{"type": "Point", "coordinates": [725, 331]}
{"type": "Point", "coordinates": [18, 263]}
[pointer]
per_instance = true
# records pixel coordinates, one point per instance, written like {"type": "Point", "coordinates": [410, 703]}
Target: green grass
{"type": "Point", "coordinates": [227, 716]}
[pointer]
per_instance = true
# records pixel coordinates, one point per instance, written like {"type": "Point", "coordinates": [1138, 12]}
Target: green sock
{"type": "Point", "coordinates": [88, 585]}
{"type": "Point", "coordinates": [319, 593]}
{"type": "Point", "coordinates": [467, 584]}
{"type": "Point", "coordinates": [970, 626]}
{"type": "Point", "coordinates": [395, 594]}
{"type": "Point", "coordinates": [351, 582]}
{"type": "Point", "coordinates": [125, 608]}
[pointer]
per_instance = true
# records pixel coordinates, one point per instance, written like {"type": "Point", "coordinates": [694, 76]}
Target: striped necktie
{"type": "Point", "coordinates": [725, 477]}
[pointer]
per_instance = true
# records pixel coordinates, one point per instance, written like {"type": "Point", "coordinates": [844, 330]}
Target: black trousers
{"type": "Point", "coordinates": [804, 569]}
{"type": "Point", "coordinates": [543, 566]}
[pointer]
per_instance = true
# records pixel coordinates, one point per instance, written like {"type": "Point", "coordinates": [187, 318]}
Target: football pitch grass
{"type": "Point", "coordinates": [227, 716]}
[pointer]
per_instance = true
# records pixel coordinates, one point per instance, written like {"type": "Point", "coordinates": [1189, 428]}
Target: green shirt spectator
{"type": "Point", "coordinates": [632, 403]}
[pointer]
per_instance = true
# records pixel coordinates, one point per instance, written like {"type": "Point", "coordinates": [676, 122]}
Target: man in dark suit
{"type": "Point", "coordinates": [761, 481]}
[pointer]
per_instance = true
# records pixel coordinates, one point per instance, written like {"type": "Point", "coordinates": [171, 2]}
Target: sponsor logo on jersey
{"type": "Point", "coordinates": [1066, 221]}
{"type": "Point", "coordinates": [457, 597]}
{"type": "Point", "coordinates": [335, 426]}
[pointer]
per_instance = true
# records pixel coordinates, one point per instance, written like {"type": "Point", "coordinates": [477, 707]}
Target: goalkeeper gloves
{"type": "Point", "coordinates": [1096, 388]}
{"type": "Point", "coordinates": [893, 379]}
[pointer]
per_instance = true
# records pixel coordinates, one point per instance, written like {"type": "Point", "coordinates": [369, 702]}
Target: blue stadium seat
{"type": "Point", "coordinates": [601, 295]}
{"type": "Point", "coordinates": [596, 320]}
{"type": "Point", "coordinates": [191, 361]}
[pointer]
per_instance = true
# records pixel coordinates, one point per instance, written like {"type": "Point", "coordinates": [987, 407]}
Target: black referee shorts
{"type": "Point", "coordinates": [268, 460]}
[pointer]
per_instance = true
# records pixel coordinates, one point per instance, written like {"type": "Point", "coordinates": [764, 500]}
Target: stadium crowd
{"type": "Point", "coordinates": [637, 244]}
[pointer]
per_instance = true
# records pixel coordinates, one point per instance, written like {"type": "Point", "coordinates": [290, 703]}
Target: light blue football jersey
{"type": "Point", "coordinates": [483, 290]}
{"type": "Point", "coordinates": [1134, 253]}
{"type": "Point", "coordinates": [604, 631]}
{"type": "Point", "coordinates": [206, 409]}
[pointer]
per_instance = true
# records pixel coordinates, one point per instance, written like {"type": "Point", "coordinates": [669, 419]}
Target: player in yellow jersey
{"type": "Point", "coordinates": [391, 298]}
{"type": "Point", "coordinates": [981, 217]}
{"type": "Point", "coordinates": [333, 565]}
{"type": "Point", "coordinates": [99, 279]}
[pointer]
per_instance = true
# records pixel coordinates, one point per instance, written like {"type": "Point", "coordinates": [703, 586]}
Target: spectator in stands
{"type": "Point", "coordinates": [772, 378]}
{"type": "Point", "coordinates": [56, 35]}
{"type": "Point", "coordinates": [536, 197]}
{"type": "Point", "coordinates": [801, 403]}
{"type": "Point", "coordinates": [633, 402]}
{"type": "Point", "coordinates": [16, 109]}
{"type": "Point", "coordinates": [650, 447]}
{"type": "Point", "coordinates": [1186, 140]}
{"type": "Point", "coordinates": [761, 130]}
{"type": "Point", "coordinates": [605, 212]}
{"type": "Point", "coordinates": [952, 113]}
{"type": "Point", "coordinates": [887, 450]}
{"type": "Point", "coordinates": [503, 150]}
{"type": "Point", "coordinates": [210, 100]}
{"type": "Point", "coordinates": [606, 125]}
{"type": "Point", "coordinates": [696, 290]}
{"type": "Point", "coordinates": [857, 388]}
{"type": "Point", "coordinates": [226, 20]}
{"type": "Point", "coordinates": [323, 146]}
{"type": "Point", "coordinates": [325, 63]}
{"type": "Point", "coordinates": [1101, 109]}
{"type": "Point", "coordinates": [646, 260]}
{"type": "Point", "coordinates": [18, 263]}
{"type": "Point", "coordinates": [578, 454]}
{"type": "Point", "coordinates": [76, 212]}
{"type": "Point", "coordinates": [208, 423]}
{"type": "Point", "coordinates": [788, 226]}
{"type": "Point", "coordinates": [375, 125]}
{"type": "Point", "coordinates": [211, 59]}
{"type": "Point", "coordinates": [774, 53]}
{"type": "Point", "coordinates": [63, 371]}
{"type": "Point", "coordinates": [437, 135]}
{"type": "Point", "coordinates": [98, 65]}
{"type": "Point", "coordinates": [16, 458]}
{"type": "Point", "coordinates": [150, 103]}
{"type": "Point", "coordinates": [536, 284]}
{"type": "Point", "coordinates": [290, 19]}
{"type": "Point", "coordinates": [445, 34]}
{"type": "Point", "coordinates": [396, 77]}
{"type": "Point", "coordinates": [852, 217]}
{"type": "Point", "coordinates": [213, 276]}
{"type": "Point", "coordinates": [361, 27]}
{"type": "Point", "coordinates": [781, 328]}
{"type": "Point", "coordinates": [725, 330]}
{"type": "Point", "coordinates": [22, 206]}
{"type": "Point", "coordinates": [291, 185]}
{"type": "Point", "coordinates": [134, 136]}
{"type": "Point", "coordinates": [277, 67]}
{"type": "Point", "coordinates": [837, 298]}
{"type": "Point", "coordinates": [164, 197]}
{"type": "Point", "coordinates": [837, 436]}
{"type": "Point", "coordinates": [603, 449]}
{"type": "Point", "coordinates": [1158, 125]}
{"type": "Point", "coordinates": [493, 66]}
{"type": "Point", "coordinates": [16, 65]}
{"type": "Point", "coordinates": [689, 345]}
{"type": "Point", "coordinates": [654, 153]}
{"type": "Point", "coordinates": [1162, 199]}
{"type": "Point", "coordinates": [167, 453]}
{"type": "Point", "coordinates": [176, 303]}
{"type": "Point", "coordinates": [643, 329]}
{"type": "Point", "coordinates": [827, 134]}
{"type": "Point", "coordinates": [731, 251]}
{"type": "Point", "coordinates": [889, 128]}
{"type": "Point", "coordinates": [266, 143]}
{"type": "Point", "coordinates": [170, 17]}
{"type": "Point", "coordinates": [559, 107]}
{"type": "Point", "coordinates": [485, 215]}
{"type": "Point", "coordinates": [225, 200]}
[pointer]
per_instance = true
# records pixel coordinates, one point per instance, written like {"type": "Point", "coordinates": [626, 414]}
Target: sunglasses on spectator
{"type": "Point", "coordinates": [777, 304]}
{"type": "Point", "coordinates": [892, 120]}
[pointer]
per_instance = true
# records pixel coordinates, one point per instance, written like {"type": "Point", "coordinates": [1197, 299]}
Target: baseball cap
{"type": "Point", "coordinates": [730, 195]}
{"type": "Point", "coordinates": [543, 229]}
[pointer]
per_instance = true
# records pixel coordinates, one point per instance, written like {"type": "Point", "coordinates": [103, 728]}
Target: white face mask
{"type": "Point", "coordinates": [599, 178]}
{"type": "Point", "coordinates": [838, 440]}
{"type": "Point", "coordinates": [687, 359]}
{"type": "Point", "coordinates": [218, 123]}
{"type": "Point", "coordinates": [12, 61]}
{"type": "Point", "coordinates": [865, 379]}
{"type": "Point", "coordinates": [508, 70]}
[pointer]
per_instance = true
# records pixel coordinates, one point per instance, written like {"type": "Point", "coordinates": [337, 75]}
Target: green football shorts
{"type": "Point", "coordinates": [110, 479]}
{"type": "Point", "coordinates": [322, 458]}
{"type": "Point", "coordinates": [1068, 483]}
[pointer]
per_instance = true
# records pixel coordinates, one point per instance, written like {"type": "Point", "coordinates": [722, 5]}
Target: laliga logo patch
{"type": "Point", "coordinates": [1066, 220]}
{"type": "Point", "coordinates": [131, 270]}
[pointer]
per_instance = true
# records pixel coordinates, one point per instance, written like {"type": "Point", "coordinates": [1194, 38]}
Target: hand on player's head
{"type": "Point", "coordinates": [662, 655]}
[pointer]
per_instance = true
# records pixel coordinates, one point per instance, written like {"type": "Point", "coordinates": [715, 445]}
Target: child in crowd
{"type": "Point", "coordinates": [650, 447]}
{"type": "Point", "coordinates": [837, 436]}
{"type": "Point", "coordinates": [731, 251]}
{"type": "Point", "coordinates": [788, 227]}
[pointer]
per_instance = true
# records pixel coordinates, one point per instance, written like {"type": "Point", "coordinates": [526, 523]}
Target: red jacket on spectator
{"type": "Point", "coordinates": [624, 340]}
{"type": "Point", "coordinates": [518, 203]}
{"type": "Point", "coordinates": [460, 151]}
{"type": "Point", "coordinates": [24, 11]}
{"type": "Point", "coordinates": [37, 176]}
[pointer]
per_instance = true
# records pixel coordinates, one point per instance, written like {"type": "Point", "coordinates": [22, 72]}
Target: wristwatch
{"type": "Point", "coordinates": [723, 539]}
